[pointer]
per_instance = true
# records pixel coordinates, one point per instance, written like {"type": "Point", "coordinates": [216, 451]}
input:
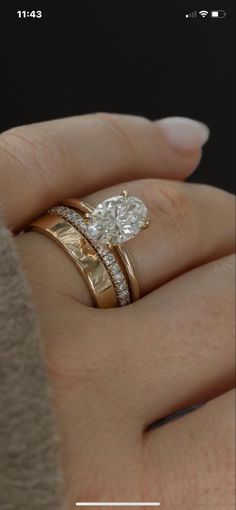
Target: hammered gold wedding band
{"type": "Point", "coordinates": [83, 255]}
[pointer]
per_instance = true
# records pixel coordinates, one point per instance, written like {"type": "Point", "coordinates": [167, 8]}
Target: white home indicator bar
{"type": "Point", "coordinates": [121, 503]}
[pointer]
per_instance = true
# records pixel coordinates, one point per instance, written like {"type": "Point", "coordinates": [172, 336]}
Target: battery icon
{"type": "Point", "coordinates": [218, 14]}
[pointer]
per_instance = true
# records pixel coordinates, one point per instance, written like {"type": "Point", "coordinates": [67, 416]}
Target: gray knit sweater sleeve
{"type": "Point", "coordinates": [30, 476]}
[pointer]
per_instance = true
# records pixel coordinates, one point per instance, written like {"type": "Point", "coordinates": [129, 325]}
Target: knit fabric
{"type": "Point", "coordinates": [30, 476]}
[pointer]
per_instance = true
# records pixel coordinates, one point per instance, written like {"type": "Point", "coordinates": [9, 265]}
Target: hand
{"type": "Point", "coordinates": [115, 372]}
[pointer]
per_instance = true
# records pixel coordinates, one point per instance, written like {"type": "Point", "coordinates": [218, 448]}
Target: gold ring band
{"type": "Point", "coordinates": [83, 255]}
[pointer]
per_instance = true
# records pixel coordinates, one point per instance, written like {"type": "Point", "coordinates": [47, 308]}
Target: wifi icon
{"type": "Point", "coordinates": [203, 13]}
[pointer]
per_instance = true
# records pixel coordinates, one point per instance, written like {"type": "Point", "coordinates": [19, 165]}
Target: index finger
{"type": "Point", "coordinates": [43, 164]}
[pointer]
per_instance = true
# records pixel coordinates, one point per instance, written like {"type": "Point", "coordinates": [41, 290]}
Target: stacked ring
{"type": "Point", "coordinates": [121, 250]}
{"type": "Point", "coordinates": [93, 238]}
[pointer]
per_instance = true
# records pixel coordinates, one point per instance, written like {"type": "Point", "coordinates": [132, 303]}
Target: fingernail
{"type": "Point", "coordinates": [184, 134]}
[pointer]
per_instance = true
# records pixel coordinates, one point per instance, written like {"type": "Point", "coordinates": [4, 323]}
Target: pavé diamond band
{"type": "Point", "coordinates": [104, 229]}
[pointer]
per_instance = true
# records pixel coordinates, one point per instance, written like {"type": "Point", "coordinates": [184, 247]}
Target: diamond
{"type": "Point", "coordinates": [109, 259]}
{"type": "Point", "coordinates": [118, 277]}
{"type": "Point", "coordinates": [101, 249]}
{"type": "Point", "coordinates": [124, 302]}
{"type": "Point", "coordinates": [125, 293]}
{"type": "Point", "coordinates": [117, 219]}
{"type": "Point", "coordinates": [114, 268]}
{"type": "Point", "coordinates": [121, 286]}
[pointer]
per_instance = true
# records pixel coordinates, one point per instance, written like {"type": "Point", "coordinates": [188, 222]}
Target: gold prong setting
{"type": "Point", "coordinates": [146, 224]}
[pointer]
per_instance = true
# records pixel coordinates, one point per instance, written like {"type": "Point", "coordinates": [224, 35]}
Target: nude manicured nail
{"type": "Point", "coordinates": [184, 134]}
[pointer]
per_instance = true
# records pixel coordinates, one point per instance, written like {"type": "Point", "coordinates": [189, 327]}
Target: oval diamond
{"type": "Point", "coordinates": [117, 219]}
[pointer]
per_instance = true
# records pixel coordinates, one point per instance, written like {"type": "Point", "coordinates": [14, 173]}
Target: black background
{"type": "Point", "coordinates": [138, 57]}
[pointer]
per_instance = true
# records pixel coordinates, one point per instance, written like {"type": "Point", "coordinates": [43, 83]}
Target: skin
{"type": "Point", "coordinates": [115, 372]}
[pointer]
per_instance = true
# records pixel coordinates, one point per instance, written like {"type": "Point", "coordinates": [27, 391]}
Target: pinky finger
{"type": "Point", "coordinates": [192, 459]}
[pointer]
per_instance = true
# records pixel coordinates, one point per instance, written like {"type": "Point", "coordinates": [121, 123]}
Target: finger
{"type": "Point", "coordinates": [189, 463]}
{"type": "Point", "coordinates": [190, 225]}
{"type": "Point", "coordinates": [179, 341]}
{"type": "Point", "coordinates": [42, 164]}
{"type": "Point", "coordinates": [173, 348]}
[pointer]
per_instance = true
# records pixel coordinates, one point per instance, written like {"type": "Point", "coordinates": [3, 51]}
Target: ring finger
{"type": "Point", "coordinates": [187, 227]}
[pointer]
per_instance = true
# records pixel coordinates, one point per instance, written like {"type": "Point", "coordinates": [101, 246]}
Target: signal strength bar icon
{"type": "Point", "coordinates": [191, 15]}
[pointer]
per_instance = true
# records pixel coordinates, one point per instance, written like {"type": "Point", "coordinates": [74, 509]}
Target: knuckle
{"type": "Point", "coordinates": [110, 121]}
{"type": "Point", "coordinates": [34, 151]}
{"type": "Point", "coordinates": [17, 143]}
